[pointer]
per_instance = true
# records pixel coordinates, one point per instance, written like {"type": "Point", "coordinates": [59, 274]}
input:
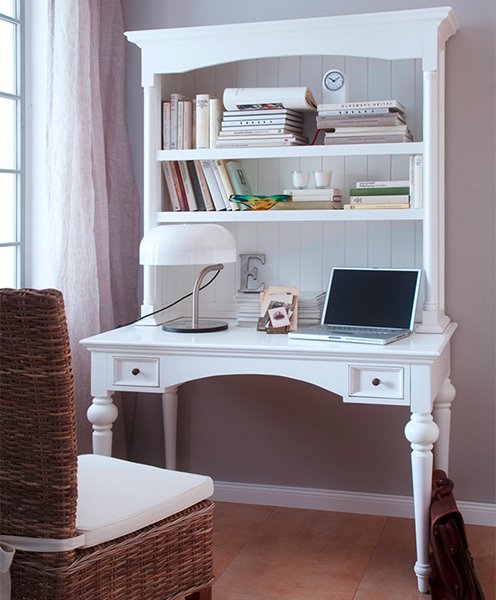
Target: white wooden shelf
{"type": "Point", "coordinates": [280, 216]}
{"type": "Point", "coordinates": [406, 148]}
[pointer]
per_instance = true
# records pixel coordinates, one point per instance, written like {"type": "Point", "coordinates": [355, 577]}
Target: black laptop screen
{"type": "Point", "coordinates": [372, 298]}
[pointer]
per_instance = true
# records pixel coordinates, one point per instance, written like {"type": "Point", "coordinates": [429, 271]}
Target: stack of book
{"type": "Point", "coordinates": [204, 184]}
{"type": "Point", "coordinates": [379, 194]}
{"type": "Point", "coordinates": [312, 199]}
{"type": "Point", "coordinates": [376, 121]}
{"type": "Point", "coordinates": [255, 117]}
{"type": "Point", "coordinates": [310, 305]}
{"type": "Point", "coordinates": [263, 127]}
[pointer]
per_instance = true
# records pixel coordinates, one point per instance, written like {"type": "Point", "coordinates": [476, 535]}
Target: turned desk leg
{"type": "Point", "coordinates": [169, 415]}
{"type": "Point", "coordinates": [101, 414]}
{"type": "Point", "coordinates": [442, 416]}
{"type": "Point", "coordinates": [422, 432]}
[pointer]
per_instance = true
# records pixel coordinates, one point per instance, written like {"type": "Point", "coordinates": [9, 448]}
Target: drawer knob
{"type": "Point", "coordinates": [135, 371]}
{"type": "Point", "coordinates": [376, 381]}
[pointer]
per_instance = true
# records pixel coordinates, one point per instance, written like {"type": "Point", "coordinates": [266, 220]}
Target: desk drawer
{"type": "Point", "coordinates": [131, 371]}
{"type": "Point", "coordinates": [367, 383]}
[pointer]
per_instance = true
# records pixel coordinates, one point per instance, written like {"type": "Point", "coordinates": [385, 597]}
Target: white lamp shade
{"type": "Point", "coordinates": [187, 244]}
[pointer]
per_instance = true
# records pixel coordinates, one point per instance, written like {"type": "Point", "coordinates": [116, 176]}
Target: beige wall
{"type": "Point", "coordinates": [273, 431]}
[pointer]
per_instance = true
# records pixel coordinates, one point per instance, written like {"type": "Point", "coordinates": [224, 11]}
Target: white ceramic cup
{"type": "Point", "coordinates": [300, 179]}
{"type": "Point", "coordinates": [322, 178]}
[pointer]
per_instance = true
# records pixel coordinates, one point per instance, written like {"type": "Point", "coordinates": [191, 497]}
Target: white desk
{"type": "Point", "coordinates": [411, 372]}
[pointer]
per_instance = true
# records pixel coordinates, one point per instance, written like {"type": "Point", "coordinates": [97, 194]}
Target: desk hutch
{"type": "Point", "coordinates": [399, 54]}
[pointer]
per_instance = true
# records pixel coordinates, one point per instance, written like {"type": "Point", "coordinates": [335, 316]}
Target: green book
{"type": "Point", "coordinates": [238, 178]}
{"type": "Point", "coordinates": [383, 191]}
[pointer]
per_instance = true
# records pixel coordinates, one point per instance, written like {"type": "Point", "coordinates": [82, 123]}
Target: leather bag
{"type": "Point", "coordinates": [453, 575]}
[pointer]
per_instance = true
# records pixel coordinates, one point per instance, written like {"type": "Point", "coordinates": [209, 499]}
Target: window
{"type": "Point", "coordinates": [11, 147]}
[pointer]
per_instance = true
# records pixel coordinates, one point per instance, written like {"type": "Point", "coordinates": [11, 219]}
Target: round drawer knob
{"type": "Point", "coordinates": [135, 371]}
{"type": "Point", "coordinates": [376, 381]}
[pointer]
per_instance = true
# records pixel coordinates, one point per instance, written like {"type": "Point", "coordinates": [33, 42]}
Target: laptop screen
{"type": "Point", "coordinates": [372, 297]}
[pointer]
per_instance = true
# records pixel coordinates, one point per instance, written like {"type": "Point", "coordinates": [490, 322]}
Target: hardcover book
{"type": "Point", "coordinates": [238, 177]}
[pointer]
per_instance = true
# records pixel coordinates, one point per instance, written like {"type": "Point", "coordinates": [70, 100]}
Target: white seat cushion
{"type": "Point", "coordinates": [117, 497]}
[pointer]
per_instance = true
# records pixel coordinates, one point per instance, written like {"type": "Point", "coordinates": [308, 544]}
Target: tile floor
{"type": "Point", "coordinates": [268, 553]}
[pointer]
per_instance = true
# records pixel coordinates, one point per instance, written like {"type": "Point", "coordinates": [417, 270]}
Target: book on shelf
{"type": "Point", "coordinates": [186, 132]}
{"type": "Point", "coordinates": [262, 141]}
{"type": "Point", "coordinates": [261, 122]}
{"type": "Point", "coordinates": [205, 190]}
{"type": "Point", "coordinates": [383, 184]}
{"type": "Point", "coordinates": [172, 186]}
{"type": "Point", "coordinates": [195, 184]}
{"type": "Point", "coordinates": [383, 206]}
{"type": "Point", "coordinates": [273, 113]}
{"type": "Point", "coordinates": [327, 122]}
{"type": "Point", "coordinates": [380, 191]}
{"type": "Point", "coordinates": [237, 176]}
{"type": "Point", "coordinates": [175, 98]}
{"type": "Point", "coordinates": [179, 186]}
{"type": "Point", "coordinates": [385, 199]}
{"type": "Point", "coordinates": [215, 107]}
{"type": "Point", "coordinates": [202, 121]}
{"type": "Point", "coordinates": [248, 133]}
{"type": "Point", "coordinates": [166, 134]}
{"type": "Point", "coordinates": [220, 165]}
{"type": "Point", "coordinates": [213, 186]}
{"type": "Point", "coordinates": [297, 98]}
{"type": "Point", "coordinates": [416, 179]}
{"type": "Point", "coordinates": [315, 195]}
{"type": "Point", "coordinates": [354, 112]}
{"type": "Point", "coordinates": [220, 183]}
{"type": "Point", "coordinates": [307, 205]}
{"type": "Point", "coordinates": [365, 130]}
{"type": "Point", "coordinates": [368, 104]}
{"type": "Point", "coordinates": [187, 184]}
{"type": "Point", "coordinates": [368, 139]}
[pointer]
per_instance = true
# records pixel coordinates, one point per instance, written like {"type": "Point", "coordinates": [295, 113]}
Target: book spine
{"type": "Point", "coordinates": [215, 108]}
{"type": "Point", "coordinates": [383, 191]}
{"type": "Point", "coordinates": [242, 131]}
{"type": "Point", "coordinates": [375, 206]}
{"type": "Point", "coordinates": [188, 125]}
{"type": "Point", "coordinates": [166, 122]}
{"type": "Point", "coordinates": [178, 183]}
{"type": "Point", "coordinates": [213, 185]}
{"type": "Point", "coordinates": [226, 183]}
{"type": "Point", "coordinates": [174, 101]}
{"type": "Point", "coordinates": [180, 125]}
{"type": "Point", "coordinates": [171, 186]}
{"type": "Point", "coordinates": [391, 199]}
{"type": "Point", "coordinates": [361, 105]}
{"type": "Point", "coordinates": [238, 177]}
{"type": "Point", "coordinates": [195, 184]}
{"type": "Point", "coordinates": [202, 121]}
{"type": "Point", "coordinates": [416, 180]}
{"type": "Point", "coordinates": [188, 187]}
{"type": "Point", "coordinates": [207, 196]}
{"type": "Point", "coordinates": [354, 111]}
{"type": "Point", "coordinates": [383, 184]}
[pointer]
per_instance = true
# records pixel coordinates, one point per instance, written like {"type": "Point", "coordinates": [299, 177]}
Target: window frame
{"type": "Point", "coordinates": [19, 172]}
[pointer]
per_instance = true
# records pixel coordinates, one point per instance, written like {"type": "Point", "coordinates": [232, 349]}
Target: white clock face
{"type": "Point", "coordinates": [333, 80]}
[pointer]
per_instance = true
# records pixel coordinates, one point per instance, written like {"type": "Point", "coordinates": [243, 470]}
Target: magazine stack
{"type": "Point", "coordinates": [373, 122]}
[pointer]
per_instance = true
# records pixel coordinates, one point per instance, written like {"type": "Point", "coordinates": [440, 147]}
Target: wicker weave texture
{"type": "Point", "coordinates": [38, 478]}
{"type": "Point", "coordinates": [38, 459]}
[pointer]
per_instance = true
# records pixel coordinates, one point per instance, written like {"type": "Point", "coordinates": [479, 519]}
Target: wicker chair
{"type": "Point", "coordinates": [93, 527]}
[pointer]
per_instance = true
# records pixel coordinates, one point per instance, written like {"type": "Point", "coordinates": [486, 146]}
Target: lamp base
{"type": "Point", "coordinates": [186, 326]}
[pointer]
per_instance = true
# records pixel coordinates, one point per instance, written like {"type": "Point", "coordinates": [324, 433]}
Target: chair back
{"type": "Point", "coordinates": [38, 455]}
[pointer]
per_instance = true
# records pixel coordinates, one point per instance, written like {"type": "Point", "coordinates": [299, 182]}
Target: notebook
{"type": "Point", "coordinates": [368, 306]}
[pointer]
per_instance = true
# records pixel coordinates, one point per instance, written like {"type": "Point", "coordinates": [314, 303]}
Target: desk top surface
{"type": "Point", "coordinates": [243, 340]}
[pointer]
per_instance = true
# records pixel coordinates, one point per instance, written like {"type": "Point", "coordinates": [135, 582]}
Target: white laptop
{"type": "Point", "coordinates": [368, 306]}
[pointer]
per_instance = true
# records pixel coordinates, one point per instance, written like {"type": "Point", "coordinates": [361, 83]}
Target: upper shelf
{"type": "Point", "coordinates": [406, 148]}
{"type": "Point", "coordinates": [389, 35]}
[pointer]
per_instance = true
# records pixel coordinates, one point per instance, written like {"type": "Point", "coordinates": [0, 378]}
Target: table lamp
{"type": "Point", "coordinates": [190, 244]}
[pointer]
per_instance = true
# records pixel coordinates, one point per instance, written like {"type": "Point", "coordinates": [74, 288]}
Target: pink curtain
{"type": "Point", "coordinates": [93, 198]}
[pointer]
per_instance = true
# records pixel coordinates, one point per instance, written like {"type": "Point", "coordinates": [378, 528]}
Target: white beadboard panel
{"type": "Point", "coordinates": [225, 76]}
{"type": "Point", "coordinates": [356, 244]}
{"type": "Point", "coordinates": [379, 244]}
{"type": "Point", "coordinates": [268, 239]}
{"type": "Point", "coordinates": [356, 72]}
{"type": "Point", "coordinates": [378, 79]}
{"type": "Point", "coordinates": [403, 89]}
{"type": "Point", "coordinates": [267, 72]}
{"type": "Point", "coordinates": [289, 254]}
{"type": "Point", "coordinates": [205, 81]}
{"type": "Point", "coordinates": [246, 73]}
{"type": "Point", "coordinates": [333, 249]}
{"type": "Point", "coordinates": [310, 257]}
{"type": "Point", "coordinates": [403, 245]}
{"type": "Point", "coordinates": [289, 69]}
